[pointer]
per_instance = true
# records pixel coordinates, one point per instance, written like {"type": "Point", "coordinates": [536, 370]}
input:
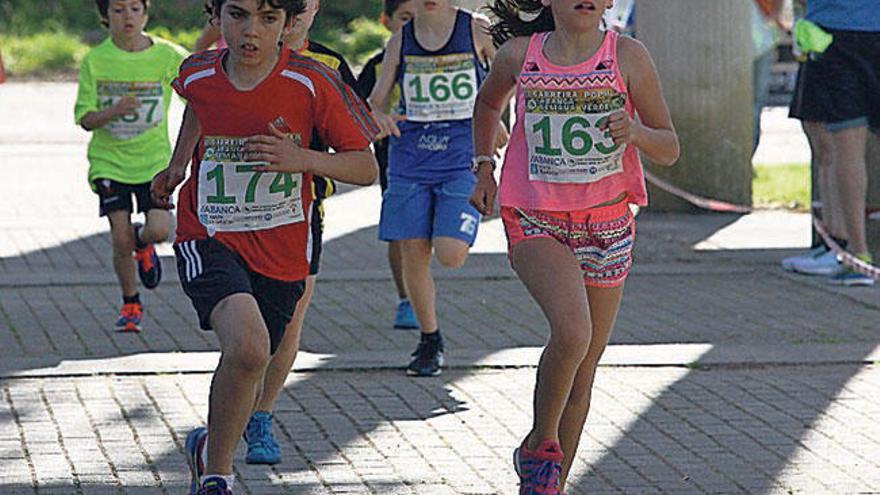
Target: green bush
{"type": "Point", "coordinates": [362, 39]}
{"type": "Point", "coordinates": [41, 54]}
{"type": "Point", "coordinates": [185, 38]}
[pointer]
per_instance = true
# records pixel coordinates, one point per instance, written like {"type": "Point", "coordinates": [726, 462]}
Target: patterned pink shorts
{"type": "Point", "coordinates": [600, 238]}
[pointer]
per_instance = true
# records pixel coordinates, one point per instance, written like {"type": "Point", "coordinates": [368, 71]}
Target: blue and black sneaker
{"type": "Point", "coordinates": [427, 359]}
{"type": "Point", "coordinates": [261, 445]}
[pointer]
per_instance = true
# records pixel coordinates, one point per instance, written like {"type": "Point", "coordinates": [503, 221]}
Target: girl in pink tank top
{"type": "Point", "coordinates": [587, 102]}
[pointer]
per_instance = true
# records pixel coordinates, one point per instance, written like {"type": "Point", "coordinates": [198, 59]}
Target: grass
{"type": "Point", "coordinates": [784, 185]}
{"type": "Point", "coordinates": [41, 54]}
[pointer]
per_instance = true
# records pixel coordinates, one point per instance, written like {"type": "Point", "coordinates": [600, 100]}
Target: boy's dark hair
{"type": "Point", "coordinates": [104, 6]}
{"type": "Point", "coordinates": [510, 22]}
{"type": "Point", "coordinates": [291, 8]}
{"type": "Point", "coordinates": [391, 6]}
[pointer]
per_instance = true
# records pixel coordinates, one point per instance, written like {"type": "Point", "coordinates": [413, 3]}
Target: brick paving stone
{"type": "Point", "coordinates": [631, 445]}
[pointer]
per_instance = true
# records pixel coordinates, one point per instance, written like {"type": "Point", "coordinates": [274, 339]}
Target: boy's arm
{"type": "Point", "coordinates": [378, 99]}
{"type": "Point", "coordinates": [166, 181]}
{"type": "Point", "coordinates": [99, 118]}
{"type": "Point", "coordinates": [86, 110]}
{"type": "Point", "coordinates": [283, 155]}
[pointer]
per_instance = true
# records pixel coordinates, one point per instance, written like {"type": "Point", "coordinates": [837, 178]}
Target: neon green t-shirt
{"type": "Point", "coordinates": [132, 148]}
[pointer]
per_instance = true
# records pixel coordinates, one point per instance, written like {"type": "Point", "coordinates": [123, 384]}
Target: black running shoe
{"type": "Point", "coordinates": [427, 359]}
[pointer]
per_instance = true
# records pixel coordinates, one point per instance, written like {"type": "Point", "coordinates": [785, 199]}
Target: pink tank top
{"type": "Point", "coordinates": [558, 158]}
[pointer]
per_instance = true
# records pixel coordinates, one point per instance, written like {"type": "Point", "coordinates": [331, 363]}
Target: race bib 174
{"type": "Point", "coordinates": [565, 136]}
{"type": "Point", "coordinates": [233, 197]}
{"type": "Point", "coordinates": [148, 115]}
{"type": "Point", "coordinates": [440, 87]}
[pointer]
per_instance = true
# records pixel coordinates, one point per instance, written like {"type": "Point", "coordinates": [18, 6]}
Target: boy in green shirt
{"type": "Point", "coordinates": [123, 98]}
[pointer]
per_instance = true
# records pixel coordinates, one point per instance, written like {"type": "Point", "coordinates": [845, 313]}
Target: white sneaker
{"type": "Point", "coordinates": [789, 263]}
{"type": "Point", "coordinates": [823, 264]}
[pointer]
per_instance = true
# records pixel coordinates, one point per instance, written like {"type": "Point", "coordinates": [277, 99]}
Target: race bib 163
{"type": "Point", "coordinates": [565, 137]}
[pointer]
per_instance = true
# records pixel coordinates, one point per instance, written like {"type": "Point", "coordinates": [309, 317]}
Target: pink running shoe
{"type": "Point", "coordinates": [538, 469]}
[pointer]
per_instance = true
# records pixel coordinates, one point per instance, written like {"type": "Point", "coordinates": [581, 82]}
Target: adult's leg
{"type": "Point", "coordinates": [822, 149]}
{"type": "Point", "coordinates": [416, 258]}
{"type": "Point", "coordinates": [604, 303]}
{"type": "Point", "coordinates": [554, 279]}
{"type": "Point", "coordinates": [282, 361]}
{"type": "Point", "coordinates": [122, 238]}
{"type": "Point", "coordinates": [244, 345]}
{"type": "Point", "coordinates": [852, 183]}
{"type": "Point", "coordinates": [395, 261]}
{"type": "Point", "coordinates": [158, 226]}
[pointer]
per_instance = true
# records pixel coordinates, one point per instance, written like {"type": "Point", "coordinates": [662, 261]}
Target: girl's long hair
{"type": "Point", "coordinates": [519, 18]}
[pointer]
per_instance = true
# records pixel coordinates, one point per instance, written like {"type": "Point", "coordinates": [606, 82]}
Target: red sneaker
{"type": "Point", "coordinates": [130, 318]}
{"type": "Point", "coordinates": [539, 469]}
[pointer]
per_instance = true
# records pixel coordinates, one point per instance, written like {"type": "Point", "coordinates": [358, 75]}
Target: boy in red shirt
{"type": "Point", "coordinates": [243, 226]}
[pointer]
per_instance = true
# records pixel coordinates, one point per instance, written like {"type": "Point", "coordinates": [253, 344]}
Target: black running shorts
{"type": "Point", "coordinates": [115, 196]}
{"type": "Point", "coordinates": [841, 87]}
{"type": "Point", "coordinates": [210, 272]}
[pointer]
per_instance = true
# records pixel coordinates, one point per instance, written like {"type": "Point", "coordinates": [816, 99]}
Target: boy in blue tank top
{"type": "Point", "coordinates": [439, 61]}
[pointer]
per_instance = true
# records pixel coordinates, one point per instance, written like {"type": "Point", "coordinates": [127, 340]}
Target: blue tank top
{"type": "Point", "coordinates": [845, 15]}
{"type": "Point", "coordinates": [438, 92]}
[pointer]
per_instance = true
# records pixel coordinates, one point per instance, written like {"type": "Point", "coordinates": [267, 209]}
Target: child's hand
{"type": "Point", "coordinates": [163, 186]}
{"type": "Point", "coordinates": [387, 124]}
{"type": "Point", "coordinates": [483, 197]}
{"type": "Point", "coordinates": [126, 105]}
{"type": "Point", "coordinates": [620, 126]}
{"type": "Point", "coordinates": [282, 154]}
{"type": "Point", "coordinates": [501, 139]}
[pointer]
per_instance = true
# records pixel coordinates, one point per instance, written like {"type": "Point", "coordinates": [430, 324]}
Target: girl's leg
{"type": "Point", "coordinates": [122, 237]}
{"type": "Point", "coordinates": [553, 278]}
{"type": "Point", "coordinates": [416, 258]}
{"type": "Point", "coordinates": [604, 303]}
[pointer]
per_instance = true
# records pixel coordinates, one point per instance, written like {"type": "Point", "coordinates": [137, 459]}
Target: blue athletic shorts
{"type": "Point", "coordinates": [413, 210]}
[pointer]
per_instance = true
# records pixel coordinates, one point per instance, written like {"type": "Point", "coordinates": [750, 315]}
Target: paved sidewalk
{"type": "Point", "coordinates": [724, 375]}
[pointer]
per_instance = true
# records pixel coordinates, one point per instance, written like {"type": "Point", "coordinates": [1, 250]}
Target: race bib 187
{"type": "Point", "coordinates": [233, 197]}
{"type": "Point", "coordinates": [440, 87]}
{"type": "Point", "coordinates": [148, 115]}
{"type": "Point", "coordinates": [565, 137]}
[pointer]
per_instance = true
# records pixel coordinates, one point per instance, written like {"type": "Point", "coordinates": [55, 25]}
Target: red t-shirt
{"type": "Point", "coordinates": [263, 217]}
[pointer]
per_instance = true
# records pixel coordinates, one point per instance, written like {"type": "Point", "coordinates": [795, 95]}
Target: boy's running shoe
{"type": "Point", "coordinates": [405, 318]}
{"type": "Point", "coordinates": [130, 318]}
{"type": "Point", "coordinates": [195, 444]}
{"type": "Point", "coordinates": [850, 278]}
{"type": "Point", "coordinates": [214, 486]}
{"type": "Point", "coordinates": [538, 469]}
{"type": "Point", "coordinates": [149, 267]}
{"type": "Point", "coordinates": [261, 445]}
{"type": "Point", "coordinates": [427, 358]}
